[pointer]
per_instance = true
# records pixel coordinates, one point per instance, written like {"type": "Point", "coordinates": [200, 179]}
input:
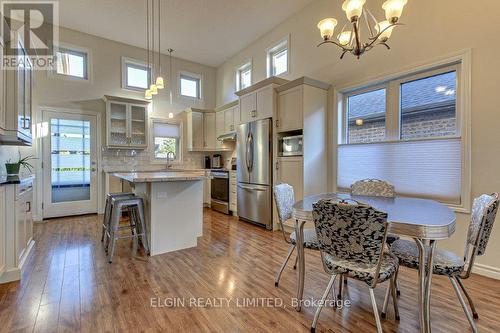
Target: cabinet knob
{"type": "Point", "coordinates": [277, 123]}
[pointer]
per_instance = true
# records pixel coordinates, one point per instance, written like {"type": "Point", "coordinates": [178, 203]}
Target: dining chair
{"type": "Point", "coordinates": [447, 263]}
{"type": "Point", "coordinates": [284, 197]}
{"type": "Point", "coordinates": [352, 237]}
{"type": "Point", "coordinates": [376, 188]}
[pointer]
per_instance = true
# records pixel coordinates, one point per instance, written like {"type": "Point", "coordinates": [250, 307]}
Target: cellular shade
{"type": "Point", "coordinates": [165, 130]}
{"type": "Point", "coordinates": [427, 168]}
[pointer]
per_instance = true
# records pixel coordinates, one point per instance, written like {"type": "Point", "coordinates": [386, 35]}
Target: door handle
{"type": "Point", "coordinates": [251, 188]}
{"type": "Point", "coordinates": [28, 203]}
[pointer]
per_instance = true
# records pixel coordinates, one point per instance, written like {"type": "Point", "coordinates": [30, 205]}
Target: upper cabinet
{"type": "Point", "coordinates": [258, 101]}
{"type": "Point", "coordinates": [126, 123]}
{"type": "Point", "coordinates": [16, 99]}
{"type": "Point", "coordinates": [289, 115]}
{"type": "Point", "coordinates": [201, 130]}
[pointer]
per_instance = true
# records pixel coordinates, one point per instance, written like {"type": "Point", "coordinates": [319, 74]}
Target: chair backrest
{"type": "Point", "coordinates": [484, 211]}
{"type": "Point", "coordinates": [284, 197]}
{"type": "Point", "coordinates": [349, 230]}
{"type": "Point", "coordinates": [373, 188]}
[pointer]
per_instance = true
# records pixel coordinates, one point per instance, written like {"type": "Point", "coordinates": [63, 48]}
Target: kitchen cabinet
{"type": "Point", "coordinates": [257, 105]}
{"type": "Point", "coordinates": [3, 238]}
{"type": "Point", "coordinates": [289, 115]}
{"type": "Point", "coordinates": [233, 199]}
{"type": "Point", "coordinates": [201, 130]}
{"type": "Point", "coordinates": [16, 100]}
{"type": "Point", "coordinates": [220, 127]}
{"type": "Point", "coordinates": [290, 170]}
{"type": "Point", "coordinates": [126, 123]}
{"type": "Point", "coordinates": [2, 81]}
{"type": "Point", "coordinates": [23, 220]}
{"type": "Point", "coordinates": [229, 125]}
{"type": "Point", "coordinates": [207, 190]}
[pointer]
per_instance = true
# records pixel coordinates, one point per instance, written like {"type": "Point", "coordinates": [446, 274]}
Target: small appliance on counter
{"type": "Point", "coordinates": [207, 162]}
{"type": "Point", "coordinates": [233, 163]}
{"type": "Point", "coordinates": [217, 161]}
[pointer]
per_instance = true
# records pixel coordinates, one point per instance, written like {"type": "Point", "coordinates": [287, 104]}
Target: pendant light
{"type": "Point", "coordinates": [159, 79]}
{"type": "Point", "coordinates": [147, 93]}
{"type": "Point", "coordinates": [153, 87]}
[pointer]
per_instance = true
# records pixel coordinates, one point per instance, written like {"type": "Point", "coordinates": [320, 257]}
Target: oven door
{"type": "Point", "coordinates": [220, 187]}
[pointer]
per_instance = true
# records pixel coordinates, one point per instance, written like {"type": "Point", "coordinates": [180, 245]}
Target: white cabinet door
{"type": "Point", "coordinates": [229, 120]}
{"type": "Point", "coordinates": [118, 125]}
{"type": "Point", "coordinates": [236, 117]}
{"type": "Point", "coordinates": [20, 220]}
{"type": "Point", "coordinates": [195, 131]}
{"type": "Point", "coordinates": [265, 103]}
{"type": "Point", "coordinates": [219, 126]}
{"type": "Point", "coordinates": [290, 170]}
{"type": "Point", "coordinates": [248, 108]}
{"type": "Point", "coordinates": [3, 239]}
{"type": "Point", "coordinates": [209, 130]}
{"type": "Point", "coordinates": [207, 191]}
{"type": "Point", "coordinates": [138, 129]}
{"type": "Point", "coordinates": [290, 110]}
{"type": "Point", "coordinates": [2, 97]}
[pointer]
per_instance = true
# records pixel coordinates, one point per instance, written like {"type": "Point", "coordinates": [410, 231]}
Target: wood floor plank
{"type": "Point", "coordinates": [68, 286]}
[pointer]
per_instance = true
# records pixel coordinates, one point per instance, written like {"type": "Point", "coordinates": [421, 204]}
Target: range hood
{"type": "Point", "coordinates": [227, 137]}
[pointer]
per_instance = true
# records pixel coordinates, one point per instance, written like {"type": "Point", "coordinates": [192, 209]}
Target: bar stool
{"type": "Point", "coordinates": [107, 215]}
{"type": "Point", "coordinates": [135, 206]}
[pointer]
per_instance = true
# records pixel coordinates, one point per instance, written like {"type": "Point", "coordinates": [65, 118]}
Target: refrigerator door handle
{"type": "Point", "coordinates": [247, 151]}
{"type": "Point", "coordinates": [251, 151]}
{"type": "Point", "coordinates": [251, 188]}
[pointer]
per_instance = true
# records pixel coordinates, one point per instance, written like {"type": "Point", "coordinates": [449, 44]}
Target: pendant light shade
{"type": "Point", "coordinates": [159, 82]}
{"type": "Point", "coordinates": [154, 89]}
{"type": "Point", "coordinates": [148, 95]}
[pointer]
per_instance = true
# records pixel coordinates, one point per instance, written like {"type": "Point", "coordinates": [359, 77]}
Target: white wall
{"type": "Point", "coordinates": [433, 29]}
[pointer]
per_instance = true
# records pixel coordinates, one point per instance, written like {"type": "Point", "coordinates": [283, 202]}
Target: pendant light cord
{"type": "Point", "coordinates": [159, 38]}
{"type": "Point", "coordinates": [147, 41]}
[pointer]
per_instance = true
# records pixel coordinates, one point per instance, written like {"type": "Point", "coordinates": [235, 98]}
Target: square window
{"type": "Point", "coordinates": [136, 76]}
{"type": "Point", "coordinates": [163, 146]}
{"type": "Point", "coordinates": [72, 63]}
{"type": "Point", "coordinates": [428, 107]}
{"type": "Point", "coordinates": [190, 86]}
{"type": "Point", "coordinates": [366, 116]}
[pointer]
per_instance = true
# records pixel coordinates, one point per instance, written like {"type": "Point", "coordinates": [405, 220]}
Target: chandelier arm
{"type": "Point", "coordinates": [383, 30]}
{"type": "Point", "coordinates": [385, 44]}
{"type": "Point", "coordinates": [367, 22]}
{"type": "Point", "coordinates": [329, 41]}
{"type": "Point", "coordinates": [343, 54]}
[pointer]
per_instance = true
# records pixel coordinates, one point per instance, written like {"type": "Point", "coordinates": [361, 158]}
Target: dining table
{"type": "Point", "coordinates": [423, 220]}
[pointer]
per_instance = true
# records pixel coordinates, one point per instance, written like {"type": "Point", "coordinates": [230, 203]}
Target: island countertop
{"type": "Point", "coordinates": [160, 176]}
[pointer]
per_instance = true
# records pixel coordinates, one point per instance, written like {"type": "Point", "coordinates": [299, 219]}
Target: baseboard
{"type": "Point", "coordinates": [10, 275]}
{"type": "Point", "coordinates": [488, 271]}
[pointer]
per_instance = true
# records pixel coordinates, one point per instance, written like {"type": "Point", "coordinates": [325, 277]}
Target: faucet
{"type": "Point", "coordinates": [170, 159]}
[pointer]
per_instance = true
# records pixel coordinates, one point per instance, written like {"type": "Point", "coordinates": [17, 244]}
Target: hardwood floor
{"type": "Point", "coordinates": [67, 285]}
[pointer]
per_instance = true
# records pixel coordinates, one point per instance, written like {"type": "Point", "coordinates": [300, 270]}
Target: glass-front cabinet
{"type": "Point", "coordinates": [127, 123]}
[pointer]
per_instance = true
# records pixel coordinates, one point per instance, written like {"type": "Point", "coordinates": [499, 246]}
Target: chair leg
{"type": "Point", "coordinates": [375, 311]}
{"type": "Point", "coordinates": [278, 277]}
{"type": "Point", "coordinates": [144, 231]}
{"type": "Point", "coordinates": [296, 259]}
{"type": "Point", "coordinates": [386, 300]}
{"type": "Point", "coordinates": [398, 288]}
{"type": "Point", "coordinates": [105, 219]}
{"type": "Point", "coordinates": [473, 308]}
{"type": "Point", "coordinates": [392, 285]}
{"type": "Point", "coordinates": [322, 303]}
{"type": "Point", "coordinates": [113, 228]}
{"type": "Point", "coordinates": [454, 283]}
{"type": "Point", "coordinates": [341, 282]}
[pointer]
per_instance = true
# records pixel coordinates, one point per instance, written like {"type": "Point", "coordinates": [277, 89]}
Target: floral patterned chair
{"type": "Point", "coordinates": [285, 199]}
{"type": "Point", "coordinates": [376, 188]}
{"type": "Point", "coordinates": [484, 210]}
{"type": "Point", "coordinates": [352, 237]}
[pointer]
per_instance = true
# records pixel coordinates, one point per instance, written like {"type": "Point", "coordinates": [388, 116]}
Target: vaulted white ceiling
{"type": "Point", "coordinates": [204, 31]}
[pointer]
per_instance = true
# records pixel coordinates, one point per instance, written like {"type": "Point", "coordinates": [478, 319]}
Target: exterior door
{"type": "Point", "coordinates": [69, 164]}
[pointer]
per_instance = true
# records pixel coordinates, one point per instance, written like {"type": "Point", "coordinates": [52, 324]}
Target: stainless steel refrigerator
{"type": "Point", "coordinates": [254, 172]}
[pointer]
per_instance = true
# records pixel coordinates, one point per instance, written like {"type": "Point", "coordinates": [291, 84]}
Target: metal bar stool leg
{"type": "Point", "coordinates": [144, 233]}
{"type": "Point", "coordinates": [472, 307]}
{"type": "Point", "coordinates": [113, 228]}
{"type": "Point", "coordinates": [105, 218]}
{"type": "Point", "coordinates": [472, 323]}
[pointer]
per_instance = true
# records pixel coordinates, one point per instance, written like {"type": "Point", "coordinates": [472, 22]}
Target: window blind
{"type": "Point", "coordinates": [165, 130]}
{"type": "Point", "coordinates": [426, 168]}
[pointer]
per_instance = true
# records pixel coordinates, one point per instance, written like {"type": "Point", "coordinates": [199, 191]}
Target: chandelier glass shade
{"type": "Point", "coordinates": [349, 40]}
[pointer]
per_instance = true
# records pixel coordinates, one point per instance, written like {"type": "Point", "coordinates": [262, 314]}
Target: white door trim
{"type": "Point", "coordinates": [39, 153]}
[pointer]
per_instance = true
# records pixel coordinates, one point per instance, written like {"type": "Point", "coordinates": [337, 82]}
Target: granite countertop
{"type": "Point", "coordinates": [17, 179]}
{"type": "Point", "coordinates": [160, 176]}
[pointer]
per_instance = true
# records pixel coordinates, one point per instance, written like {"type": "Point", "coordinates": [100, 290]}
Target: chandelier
{"type": "Point", "coordinates": [350, 40]}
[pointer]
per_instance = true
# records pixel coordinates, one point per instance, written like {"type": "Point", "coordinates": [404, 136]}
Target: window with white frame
{"type": "Point", "coordinates": [72, 63]}
{"type": "Point", "coordinates": [135, 74]}
{"type": "Point", "coordinates": [244, 76]}
{"type": "Point", "coordinates": [278, 59]}
{"type": "Point", "coordinates": [407, 132]}
{"type": "Point", "coordinates": [167, 140]}
{"type": "Point", "coordinates": [190, 85]}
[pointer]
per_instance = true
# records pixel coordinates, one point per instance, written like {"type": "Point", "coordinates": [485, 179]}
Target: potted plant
{"type": "Point", "coordinates": [13, 168]}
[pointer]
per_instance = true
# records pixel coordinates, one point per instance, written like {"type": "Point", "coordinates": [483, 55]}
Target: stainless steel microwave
{"type": "Point", "coordinates": [290, 145]}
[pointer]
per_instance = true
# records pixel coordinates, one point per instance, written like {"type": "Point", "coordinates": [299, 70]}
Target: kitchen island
{"type": "Point", "coordinates": [173, 203]}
